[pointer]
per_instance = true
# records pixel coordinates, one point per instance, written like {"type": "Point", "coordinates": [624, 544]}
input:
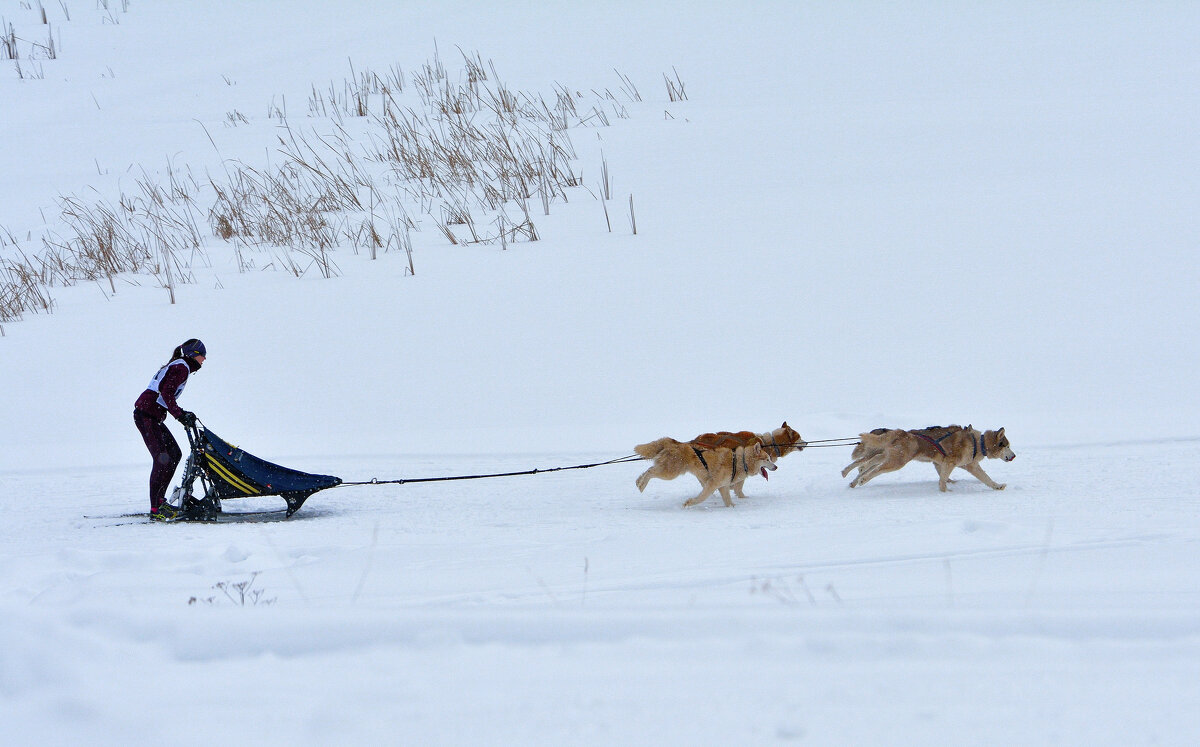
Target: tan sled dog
{"type": "Point", "coordinates": [716, 469]}
{"type": "Point", "coordinates": [888, 449]}
{"type": "Point", "coordinates": [778, 443]}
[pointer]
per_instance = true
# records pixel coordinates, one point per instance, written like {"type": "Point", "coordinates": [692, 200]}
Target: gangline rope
{"type": "Point", "coordinates": [403, 481]}
{"type": "Point", "coordinates": [821, 443]}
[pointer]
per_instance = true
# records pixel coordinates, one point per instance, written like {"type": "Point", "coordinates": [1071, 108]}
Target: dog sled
{"type": "Point", "coordinates": [225, 472]}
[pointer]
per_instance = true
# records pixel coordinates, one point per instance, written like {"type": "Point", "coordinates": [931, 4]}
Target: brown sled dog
{"type": "Point", "coordinates": [888, 449]}
{"type": "Point", "coordinates": [778, 443]}
{"type": "Point", "coordinates": [716, 469]}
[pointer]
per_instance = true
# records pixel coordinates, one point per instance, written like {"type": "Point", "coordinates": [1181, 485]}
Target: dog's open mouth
{"type": "Point", "coordinates": [1010, 458]}
{"type": "Point", "coordinates": [764, 473]}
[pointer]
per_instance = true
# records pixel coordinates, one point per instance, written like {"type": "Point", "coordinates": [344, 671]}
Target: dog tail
{"type": "Point", "coordinates": [652, 449]}
{"type": "Point", "coordinates": [868, 443]}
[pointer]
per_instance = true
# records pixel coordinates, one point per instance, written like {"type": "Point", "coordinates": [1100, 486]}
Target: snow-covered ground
{"type": "Point", "coordinates": [865, 215]}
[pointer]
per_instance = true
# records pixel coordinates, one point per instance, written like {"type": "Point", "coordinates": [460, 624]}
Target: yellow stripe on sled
{"type": "Point", "coordinates": [229, 477]}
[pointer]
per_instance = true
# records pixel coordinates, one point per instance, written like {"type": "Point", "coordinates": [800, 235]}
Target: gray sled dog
{"type": "Point", "coordinates": [888, 449]}
{"type": "Point", "coordinates": [716, 469]}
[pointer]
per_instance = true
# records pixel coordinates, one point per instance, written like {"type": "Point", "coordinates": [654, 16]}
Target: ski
{"type": "Point", "coordinates": [117, 516]}
{"type": "Point", "coordinates": [236, 517]}
{"type": "Point", "coordinates": [227, 517]}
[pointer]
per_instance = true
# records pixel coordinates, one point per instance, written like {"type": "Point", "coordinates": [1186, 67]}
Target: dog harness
{"type": "Point", "coordinates": [977, 447]}
{"type": "Point", "coordinates": [937, 443]}
{"type": "Point", "coordinates": [773, 445]}
{"type": "Point", "coordinates": [733, 467]}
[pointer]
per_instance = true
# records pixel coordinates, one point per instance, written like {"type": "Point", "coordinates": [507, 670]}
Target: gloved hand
{"type": "Point", "coordinates": [188, 418]}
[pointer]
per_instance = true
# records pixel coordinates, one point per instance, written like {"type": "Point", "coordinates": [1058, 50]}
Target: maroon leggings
{"type": "Point", "coordinates": [165, 452]}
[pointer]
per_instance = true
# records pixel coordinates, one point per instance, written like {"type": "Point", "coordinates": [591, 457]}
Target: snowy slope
{"type": "Point", "coordinates": [861, 216]}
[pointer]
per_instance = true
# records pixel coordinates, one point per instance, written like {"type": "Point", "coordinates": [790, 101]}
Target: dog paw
{"type": "Point", "coordinates": [1000, 486]}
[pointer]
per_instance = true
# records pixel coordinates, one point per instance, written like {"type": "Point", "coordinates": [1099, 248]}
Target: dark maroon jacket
{"type": "Point", "coordinates": [158, 403]}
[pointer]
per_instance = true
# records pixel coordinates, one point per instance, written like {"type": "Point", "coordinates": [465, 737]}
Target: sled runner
{"type": "Point", "coordinates": [226, 472]}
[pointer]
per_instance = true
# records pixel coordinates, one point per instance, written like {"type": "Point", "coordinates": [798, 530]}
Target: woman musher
{"type": "Point", "coordinates": [150, 414]}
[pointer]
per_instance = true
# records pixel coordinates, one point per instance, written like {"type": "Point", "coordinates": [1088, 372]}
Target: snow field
{"type": "Point", "coordinates": [863, 216]}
